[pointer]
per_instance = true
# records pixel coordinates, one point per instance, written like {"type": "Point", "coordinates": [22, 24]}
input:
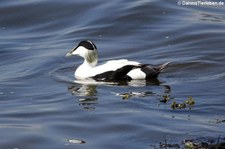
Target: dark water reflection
{"type": "Point", "coordinates": [42, 107]}
{"type": "Point", "coordinates": [88, 92]}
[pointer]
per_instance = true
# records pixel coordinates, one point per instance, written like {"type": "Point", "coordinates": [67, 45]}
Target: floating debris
{"type": "Point", "coordinates": [167, 37]}
{"type": "Point", "coordinates": [165, 145]}
{"type": "Point", "coordinates": [125, 95]}
{"type": "Point", "coordinates": [165, 98]}
{"type": "Point", "coordinates": [190, 101]}
{"type": "Point", "coordinates": [169, 145]}
{"type": "Point", "coordinates": [131, 94]}
{"type": "Point", "coordinates": [82, 99]}
{"type": "Point", "coordinates": [176, 105]}
{"type": "Point", "coordinates": [219, 121]}
{"type": "Point", "coordinates": [204, 143]}
{"type": "Point", "coordinates": [76, 141]}
{"type": "Point", "coordinates": [187, 103]}
{"type": "Point", "coordinates": [189, 145]}
{"type": "Point", "coordinates": [198, 143]}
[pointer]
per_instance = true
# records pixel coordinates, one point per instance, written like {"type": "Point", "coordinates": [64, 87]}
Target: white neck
{"type": "Point", "coordinates": [88, 64]}
{"type": "Point", "coordinates": [91, 58]}
{"type": "Point", "coordinates": [85, 70]}
{"type": "Point", "coordinates": [90, 61]}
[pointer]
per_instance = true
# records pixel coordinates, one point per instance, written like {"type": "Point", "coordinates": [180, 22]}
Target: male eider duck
{"type": "Point", "coordinates": [114, 70]}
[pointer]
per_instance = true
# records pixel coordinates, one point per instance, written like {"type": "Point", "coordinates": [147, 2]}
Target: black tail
{"type": "Point", "coordinates": [162, 67]}
{"type": "Point", "coordinates": [153, 72]}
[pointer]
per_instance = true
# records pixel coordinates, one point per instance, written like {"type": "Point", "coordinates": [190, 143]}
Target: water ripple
{"type": "Point", "coordinates": [42, 106]}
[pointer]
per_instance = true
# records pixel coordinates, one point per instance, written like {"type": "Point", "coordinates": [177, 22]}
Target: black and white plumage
{"type": "Point", "coordinates": [114, 70]}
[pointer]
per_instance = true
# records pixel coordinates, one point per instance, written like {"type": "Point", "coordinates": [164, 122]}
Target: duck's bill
{"type": "Point", "coordinates": [69, 54]}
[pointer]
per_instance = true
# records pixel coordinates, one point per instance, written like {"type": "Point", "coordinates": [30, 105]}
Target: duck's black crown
{"type": "Point", "coordinates": [87, 44]}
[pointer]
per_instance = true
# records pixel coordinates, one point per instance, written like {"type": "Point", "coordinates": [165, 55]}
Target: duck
{"type": "Point", "coordinates": [113, 70]}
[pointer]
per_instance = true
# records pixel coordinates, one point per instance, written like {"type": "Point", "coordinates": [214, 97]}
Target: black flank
{"type": "Point", "coordinates": [118, 75]}
{"type": "Point", "coordinates": [103, 76]}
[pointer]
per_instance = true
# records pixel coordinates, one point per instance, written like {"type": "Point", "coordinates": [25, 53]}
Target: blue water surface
{"type": "Point", "coordinates": [42, 107]}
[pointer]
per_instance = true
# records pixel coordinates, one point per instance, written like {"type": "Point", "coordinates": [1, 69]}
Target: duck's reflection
{"type": "Point", "coordinates": [88, 94]}
{"type": "Point", "coordinates": [83, 90]}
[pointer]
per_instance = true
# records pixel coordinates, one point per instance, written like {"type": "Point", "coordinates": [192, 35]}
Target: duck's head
{"type": "Point", "coordinates": [87, 50]}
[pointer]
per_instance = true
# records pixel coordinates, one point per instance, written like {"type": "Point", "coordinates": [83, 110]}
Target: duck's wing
{"type": "Point", "coordinates": [118, 70]}
{"type": "Point", "coordinates": [112, 65]}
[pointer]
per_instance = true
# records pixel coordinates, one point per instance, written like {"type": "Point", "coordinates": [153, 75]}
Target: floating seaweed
{"type": "Point", "coordinates": [193, 143]}
{"type": "Point", "coordinates": [218, 121]}
{"type": "Point", "coordinates": [165, 98]}
{"type": "Point", "coordinates": [187, 103]}
{"type": "Point", "coordinates": [190, 101]}
{"type": "Point", "coordinates": [132, 94]}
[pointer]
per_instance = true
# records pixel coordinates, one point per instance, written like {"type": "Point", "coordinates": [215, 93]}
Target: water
{"type": "Point", "coordinates": [41, 106]}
